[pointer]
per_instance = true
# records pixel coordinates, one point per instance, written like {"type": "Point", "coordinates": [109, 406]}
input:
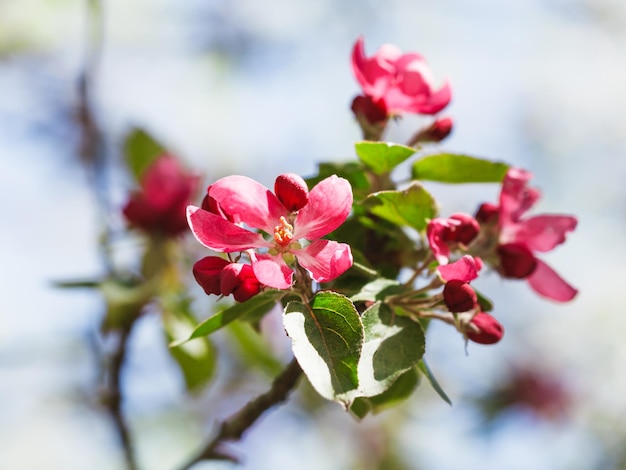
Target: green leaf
{"type": "Point", "coordinates": [78, 284]}
{"type": "Point", "coordinates": [257, 305]}
{"type": "Point", "coordinates": [393, 345]}
{"type": "Point", "coordinates": [254, 348]}
{"type": "Point", "coordinates": [423, 367]}
{"type": "Point", "coordinates": [351, 171]}
{"type": "Point", "coordinates": [141, 149]}
{"type": "Point", "coordinates": [453, 168]}
{"type": "Point", "coordinates": [197, 360]}
{"type": "Point", "coordinates": [327, 337]}
{"type": "Point", "coordinates": [382, 157]}
{"type": "Point", "coordinates": [400, 390]}
{"type": "Point", "coordinates": [486, 305]}
{"type": "Point", "coordinates": [377, 290]}
{"type": "Point", "coordinates": [412, 207]}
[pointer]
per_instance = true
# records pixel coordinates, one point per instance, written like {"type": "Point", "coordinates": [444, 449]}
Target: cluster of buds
{"type": "Point", "coordinates": [500, 236]}
{"type": "Point", "coordinates": [222, 277]}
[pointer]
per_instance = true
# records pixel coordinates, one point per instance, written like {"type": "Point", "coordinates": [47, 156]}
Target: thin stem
{"type": "Point", "coordinates": [113, 394]}
{"type": "Point", "coordinates": [234, 427]}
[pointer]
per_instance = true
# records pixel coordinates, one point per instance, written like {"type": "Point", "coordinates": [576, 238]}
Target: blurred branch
{"type": "Point", "coordinates": [234, 427]}
{"type": "Point", "coordinates": [93, 154]}
{"type": "Point", "coordinates": [112, 396]}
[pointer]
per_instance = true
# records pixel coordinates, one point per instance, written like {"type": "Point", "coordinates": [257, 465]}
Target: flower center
{"type": "Point", "coordinates": [283, 233]}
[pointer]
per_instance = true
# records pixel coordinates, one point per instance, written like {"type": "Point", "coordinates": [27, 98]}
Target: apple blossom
{"type": "Point", "coordinates": [246, 201]}
{"type": "Point", "coordinates": [403, 82]}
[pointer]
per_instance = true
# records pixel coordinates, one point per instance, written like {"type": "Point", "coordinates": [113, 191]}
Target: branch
{"type": "Point", "coordinates": [112, 396]}
{"type": "Point", "coordinates": [234, 427]}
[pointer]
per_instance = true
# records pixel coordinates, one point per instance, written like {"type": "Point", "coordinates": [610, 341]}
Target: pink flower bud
{"type": "Point", "coordinates": [487, 213]}
{"type": "Point", "coordinates": [459, 296]}
{"type": "Point", "coordinates": [490, 331]}
{"type": "Point", "coordinates": [239, 280]}
{"type": "Point", "coordinates": [364, 107]}
{"type": "Point", "coordinates": [292, 191]}
{"type": "Point", "coordinates": [207, 273]}
{"type": "Point", "coordinates": [516, 260]}
{"type": "Point", "coordinates": [465, 231]}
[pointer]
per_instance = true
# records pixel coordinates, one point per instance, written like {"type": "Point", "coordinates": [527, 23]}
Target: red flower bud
{"type": "Point", "coordinates": [465, 232]}
{"type": "Point", "coordinates": [239, 280]}
{"type": "Point", "coordinates": [207, 273]}
{"type": "Point", "coordinates": [490, 331]}
{"type": "Point", "coordinates": [372, 111]}
{"type": "Point", "coordinates": [292, 191]}
{"type": "Point", "coordinates": [487, 213]}
{"type": "Point", "coordinates": [159, 206]}
{"type": "Point", "coordinates": [436, 132]}
{"type": "Point", "coordinates": [459, 296]}
{"type": "Point", "coordinates": [516, 260]}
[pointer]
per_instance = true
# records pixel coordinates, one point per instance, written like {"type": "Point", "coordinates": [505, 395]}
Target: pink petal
{"type": "Point", "coordinates": [248, 201]}
{"type": "Point", "coordinates": [516, 197]}
{"type": "Point", "coordinates": [219, 234]}
{"type": "Point", "coordinates": [325, 260]}
{"type": "Point", "coordinates": [435, 232]}
{"type": "Point", "coordinates": [464, 269]}
{"type": "Point", "coordinates": [544, 232]}
{"type": "Point", "coordinates": [546, 282]}
{"type": "Point", "coordinates": [330, 202]}
{"type": "Point", "coordinates": [271, 270]}
{"type": "Point", "coordinates": [436, 101]}
{"type": "Point", "coordinates": [375, 73]}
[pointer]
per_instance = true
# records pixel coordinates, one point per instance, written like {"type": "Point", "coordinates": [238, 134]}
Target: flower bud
{"type": "Point", "coordinates": [207, 273]}
{"type": "Point", "coordinates": [364, 107]}
{"type": "Point", "coordinates": [436, 132]}
{"type": "Point", "coordinates": [239, 280]}
{"type": "Point", "coordinates": [465, 231]}
{"type": "Point", "coordinates": [487, 213]}
{"type": "Point", "coordinates": [292, 191]}
{"type": "Point", "coordinates": [516, 260]}
{"type": "Point", "coordinates": [490, 331]}
{"type": "Point", "coordinates": [459, 296]}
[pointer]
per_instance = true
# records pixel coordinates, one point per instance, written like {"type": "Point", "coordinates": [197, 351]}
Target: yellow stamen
{"type": "Point", "coordinates": [283, 233]}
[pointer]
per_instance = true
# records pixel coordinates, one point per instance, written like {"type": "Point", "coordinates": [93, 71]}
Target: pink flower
{"type": "Point", "coordinates": [521, 237]}
{"type": "Point", "coordinates": [242, 200]}
{"type": "Point", "coordinates": [166, 190]}
{"type": "Point", "coordinates": [465, 269]}
{"type": "Point", "coordinates": [403, 82]}
{"type": "Point", "coordinates": [441, 233]}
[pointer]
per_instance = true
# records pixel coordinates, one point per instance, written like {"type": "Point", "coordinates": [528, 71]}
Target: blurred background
{"type": "Point", "coordinates": [262, 88]}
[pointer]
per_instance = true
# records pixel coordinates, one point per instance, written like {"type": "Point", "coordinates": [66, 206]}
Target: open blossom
{"type": "Point", "coordinates": [166, 190]}
{"type": "Point", "coordinates": [519, 237]}
{"type": "Point", "coordinates": [238, 200]}
{"type": "Point", "coordinates": [398, 82]}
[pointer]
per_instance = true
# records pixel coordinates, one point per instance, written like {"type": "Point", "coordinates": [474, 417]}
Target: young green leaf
{"type": "Point", "coordinates": [382, 157]}
{"type": "Point", "coordinates": [257, 305]}
{"type": "Point", "coordinates": [423, 367]}
{"type": "Point", "coordinates": [377, 289]}
{"type": "Point", "coordinates": [196, 360]}
{"type": "Point", "coordinates": [400, 390]}
{"type": "Point", "coordinates": [453, 168]}
{"type": "Point", "coordinates": [412, 207]}
{"type": "Point", "coordinates": [141, 149]}
{"type": "Point", "coordinates": [327, 337]}
{"type": "Point", "coordinates": [393, 345]}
